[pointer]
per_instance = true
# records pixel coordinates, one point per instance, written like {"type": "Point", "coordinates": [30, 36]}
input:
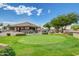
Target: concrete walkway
{"type": "Point", "coordinates": [11, 32]}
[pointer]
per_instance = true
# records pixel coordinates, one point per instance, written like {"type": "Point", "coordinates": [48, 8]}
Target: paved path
{"type": "Point", "coordinates": [11, 32]}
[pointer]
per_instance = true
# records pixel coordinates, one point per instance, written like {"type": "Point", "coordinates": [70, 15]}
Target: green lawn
{"type": "Point", "coordinates": [43, 45]}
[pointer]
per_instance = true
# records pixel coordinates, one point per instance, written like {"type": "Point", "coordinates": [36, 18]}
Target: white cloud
{"type": "Point", "coordinates": [2, 5]}
{"type": "Point", "coordinates": [21, 9]}
{"type": "Point", "coordinates": [9, 8]}
{"type": "Point", "coordinates": [49, 11]}
{"type": "Point", "coordinates": [39, 11]}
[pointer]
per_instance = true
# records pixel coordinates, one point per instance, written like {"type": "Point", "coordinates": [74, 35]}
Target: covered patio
{"type": "Point", "coordinates": [24, 27]}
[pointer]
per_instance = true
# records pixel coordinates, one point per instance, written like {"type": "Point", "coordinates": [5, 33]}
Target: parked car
{"type": "Point", "coordinates": [45, 31]}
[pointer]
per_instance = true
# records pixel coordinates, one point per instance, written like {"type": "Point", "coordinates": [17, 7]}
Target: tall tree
{"type": "Point", "coordinates": [56, 24]}
{"type": "Point", "coordinates": [72, 18]}
{"type": "Point", "coordinates": [64, 20]}
{"type": "Point", "coordinates": [47, 25]}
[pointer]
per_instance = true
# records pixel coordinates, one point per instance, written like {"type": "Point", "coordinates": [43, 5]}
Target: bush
{"type": "Point", "coordinates": [8, 34]}
{"type": "Point", "coordinates": [75, 27]}
{"type": "Point", "coordinates": [6, 51]}
{"type": "Point", "coordinates": [20, 34]}
{"type": "Point", "coordinates": [44, 33]}
{"type": "Point", "coordinates": [69, 33]}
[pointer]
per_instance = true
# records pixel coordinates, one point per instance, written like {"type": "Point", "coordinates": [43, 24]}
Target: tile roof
{"type": "Point", "coordinates": [26, 24]}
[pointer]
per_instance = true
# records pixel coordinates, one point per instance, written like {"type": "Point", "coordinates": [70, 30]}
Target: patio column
{"type": "Point", "coordinates": [35, 28]}
{"type": "Point", "coordinates": [21, 28]}
{"type": "Point", "coordinates": [26, 28]}
{"type": "Point", "coordinates": [15, 29]}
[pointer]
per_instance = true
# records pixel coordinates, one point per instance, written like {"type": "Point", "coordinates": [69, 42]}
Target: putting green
{"type": "Point", "coordinates": [43, 45]}
{"type": "Point", "coordinates": [42, 39]}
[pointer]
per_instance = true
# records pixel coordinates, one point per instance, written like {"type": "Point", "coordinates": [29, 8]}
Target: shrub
{"type": "Point", "coordinates": [69, 33]}
{"type": "Point", "coordinates": [75, 27]}
{"type": "Point", "coordinates": [6, 51]}
{"type": "Point", "coordinates": [20, 34]}
{"type": "Point", "coordinates": [8, 34]}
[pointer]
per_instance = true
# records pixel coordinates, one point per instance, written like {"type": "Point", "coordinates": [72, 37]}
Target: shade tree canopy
{"type": "Point", "coordinates": [48, 25]}
{"type": "Point", "coordinates": [61, 21]}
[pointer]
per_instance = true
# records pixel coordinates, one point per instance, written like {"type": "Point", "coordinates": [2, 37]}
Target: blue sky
{"type": "Point", "coordinates": [38, 13]}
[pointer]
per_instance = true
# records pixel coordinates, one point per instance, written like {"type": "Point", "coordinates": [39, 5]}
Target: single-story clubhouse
{"type": "Point", "coordinates": [26, 26]}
